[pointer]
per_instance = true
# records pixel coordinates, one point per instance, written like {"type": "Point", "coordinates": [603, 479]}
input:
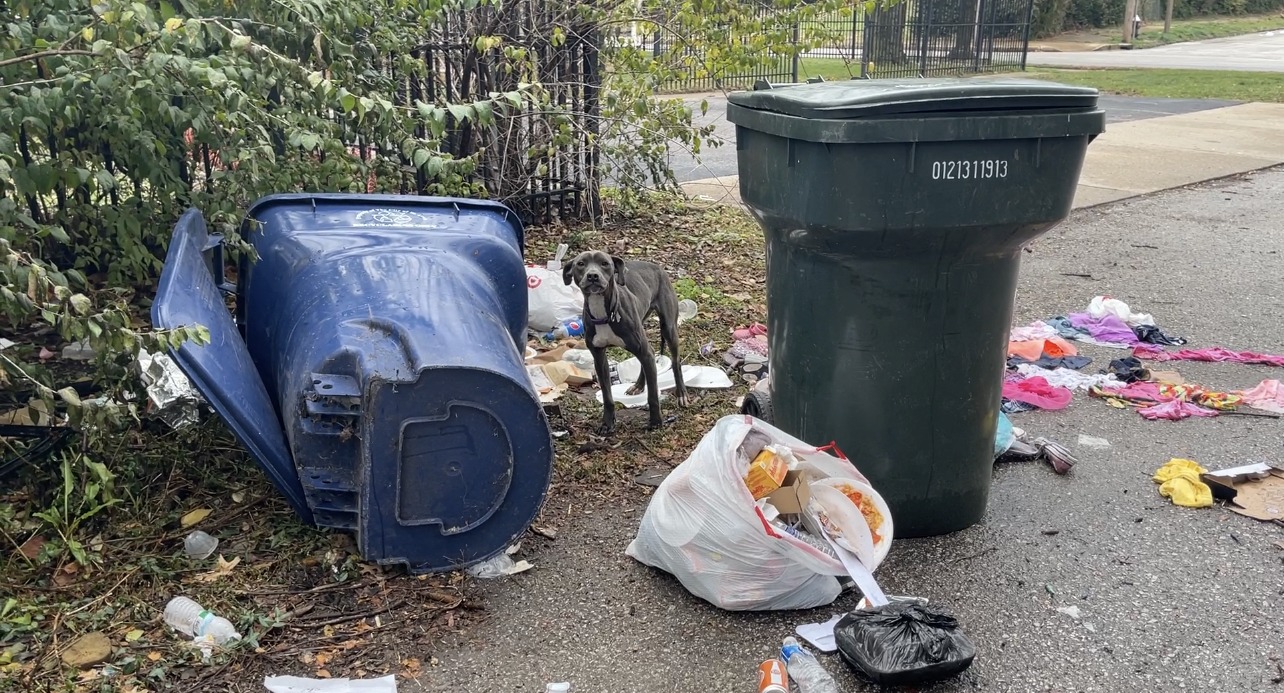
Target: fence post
{"type": "Point", "coordinates": [797, 58]}
{"type": "Point", "coordinates": [925, 39]}
{"type": "Point", "coordinates": [1025, 36]}
{"type": "Point", "coordinates": [856, 13]}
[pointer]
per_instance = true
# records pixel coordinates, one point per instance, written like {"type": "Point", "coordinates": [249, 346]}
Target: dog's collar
{"type": "Point", "coordinates": [599, 321]}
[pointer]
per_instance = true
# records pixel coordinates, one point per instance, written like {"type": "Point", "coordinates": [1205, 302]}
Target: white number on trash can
{"type": "Point", "coordinates": [970, 169]}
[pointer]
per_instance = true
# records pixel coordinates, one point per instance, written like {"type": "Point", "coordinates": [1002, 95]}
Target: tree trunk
{"type": "Point", "coordinates": [965, 30]}
{"type": "Point", "coordinates": [886, 42]}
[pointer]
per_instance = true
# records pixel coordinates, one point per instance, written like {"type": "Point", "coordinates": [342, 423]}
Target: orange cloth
{"type": "Point", "coordinates": [1035, 349]}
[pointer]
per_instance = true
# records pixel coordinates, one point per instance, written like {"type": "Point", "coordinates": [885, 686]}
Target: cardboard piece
{"type": "Point", "coordinates": [1251, 493]}
{"type": "Point", "coordinates": [793, 495]}
{"type": "Point", "coordinates": [559, 372]}
{"type": "Point", "coordinates": [766, 473]}
{"type": "Point", "coordinates": [1261, 500]}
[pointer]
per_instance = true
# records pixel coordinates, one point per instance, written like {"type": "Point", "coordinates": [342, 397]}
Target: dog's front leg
{"type": "Point", "coordinates": [652, 385]}
{"type": "Point", "coordinates": [602, 368]}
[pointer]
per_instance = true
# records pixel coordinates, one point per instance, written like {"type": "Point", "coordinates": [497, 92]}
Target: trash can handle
{"type": "Point", "coordinates": [215, 263]}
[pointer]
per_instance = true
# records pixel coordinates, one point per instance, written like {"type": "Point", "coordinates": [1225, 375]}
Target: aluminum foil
{"type": "Point", "coordinates": [174, 399]}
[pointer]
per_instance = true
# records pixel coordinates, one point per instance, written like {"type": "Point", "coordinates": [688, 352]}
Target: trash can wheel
{"type": "Point", "coordinates": [758, 405]}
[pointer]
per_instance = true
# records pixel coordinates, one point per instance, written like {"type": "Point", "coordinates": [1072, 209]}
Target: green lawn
{"type": "Point", "coordinates": [1152, 31]}
{"type": "Point", "coordinates": [1178, 84]}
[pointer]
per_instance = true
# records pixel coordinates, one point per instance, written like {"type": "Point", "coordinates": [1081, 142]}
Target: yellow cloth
{"type": "Point", "coordinates": [1179, 482]}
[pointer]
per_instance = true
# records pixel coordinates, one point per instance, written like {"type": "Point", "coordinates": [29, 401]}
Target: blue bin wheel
{"type": "Point", "coordinates": [758, 405]}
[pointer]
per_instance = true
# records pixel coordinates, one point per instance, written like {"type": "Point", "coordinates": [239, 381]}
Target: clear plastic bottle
{"type": "Point", "coordinates": [803, 668]}
{"type": "Point", "coordinates": [191, 619]}
{"type": "Point", "coordinates": [562, 687]}
{"type": "Point", "coordinates": [687, 309]}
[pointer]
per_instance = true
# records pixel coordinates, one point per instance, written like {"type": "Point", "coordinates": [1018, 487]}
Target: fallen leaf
{"type": "Point", "coordinates": [133, 635]}
{"type": "Point", "coordinates": [193, 517]}
{"type": "Point", "coordinates": [328, 631]}
{"type": "Point", "coordinates": [87, 650]}
{"type": "Point", "coordinates": [71, 568]}
{"type": "Point", "coordinates": [412, 666]}
{"type": "Point", "coordinates": [307, 657]}
{"type": "Point", "coordinates": [223, 569]}
{"type": "Point", "coordinates": [31, 547]}
{"type": "Point", "coordinates": [323, 674]}
{"type": "Point", "coordinates": [323, 658]}
{"type": "Point", "coordinates": [153, 656]}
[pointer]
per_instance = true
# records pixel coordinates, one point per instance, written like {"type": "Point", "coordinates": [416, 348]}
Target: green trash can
{"type": "Point", "coordinates": [895, 212]}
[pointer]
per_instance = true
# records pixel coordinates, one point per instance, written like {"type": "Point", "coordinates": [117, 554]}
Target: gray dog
{"type": "Point", "coordinates": [618, 297]}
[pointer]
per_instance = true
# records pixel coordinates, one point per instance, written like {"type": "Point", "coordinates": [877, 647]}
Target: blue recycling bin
{"type": "Point", "coordinates": [377, 372]}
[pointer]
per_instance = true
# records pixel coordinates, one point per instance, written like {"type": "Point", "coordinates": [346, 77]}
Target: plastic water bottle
{"type": "Point", "coordinates": [191, 619]}
{"type": "Point", "coordinates": [571, 327]}
{"type": "Point", "coordinates": [803, 668]}
{"type": "Point", "coordinates": [560, 687]}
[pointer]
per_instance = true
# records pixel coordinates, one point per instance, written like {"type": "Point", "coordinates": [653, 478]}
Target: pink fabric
{"type": "Point", "coordinates": [1140, 390]}
{"type": "Point", "coordinates": [1175, 410]}
{"type": "Point", "coordinates": [1267, 396]}
{"type": "Point", "coordinates": [1154, 352]}
{"type": "Point", "coordinates": [1039, 392]}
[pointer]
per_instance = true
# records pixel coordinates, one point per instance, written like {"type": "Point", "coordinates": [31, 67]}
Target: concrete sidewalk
{"type": "Point", "coordinates": [1141, 157]}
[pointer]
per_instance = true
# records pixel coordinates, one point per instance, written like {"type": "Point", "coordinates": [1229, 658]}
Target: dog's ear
{"type": "Point", "coordinates": [619, 267]}
{"type": "Point", "coordinates": [567, 277]}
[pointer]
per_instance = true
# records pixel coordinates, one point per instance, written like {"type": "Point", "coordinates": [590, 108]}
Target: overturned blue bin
{"type": "Point", "coordinates": [375, 368]}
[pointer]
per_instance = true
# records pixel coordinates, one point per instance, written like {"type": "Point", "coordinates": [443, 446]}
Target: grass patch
{"type": "Point", "coordinates": [1176, 84]}
{"type": "Point", "coordinates": [1183, 30]}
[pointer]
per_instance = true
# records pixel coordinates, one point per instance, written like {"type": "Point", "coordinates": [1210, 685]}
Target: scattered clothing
{"type": "Point", "coordinates": [1210, 354]}
{"type": "Point", "coordinates": [753, 345]}
{"type": "Point", "coordinates": [1267, 396]}
{"type": "Point", "coordinates": [1039, 392]}
{"type": "Point", "coordinates": [1179, 482]}
{"type": "Point", "coordinates": [1153, 335]}
{"type": "Point", "coordinates": [1156, 401]}
{"type": "Point", "coordinates": [1034, 331]}
{"type": "Point", "coordinates": [749, 332]}
{"type": "Point", "coordinates": [1101, 306]}
{"type": "Point", "coordinates": [1065, 328]}
{"type": "Point", "coordinates": [1071, 362]}
{"type": "Point", "coordinates": [1013, 407]}
{"type": "Point", "coordinates": [1129, 370]}
{"type": "Point", "coordinates": [1106, 329]}
{"type": "Point", "coordinates": [1035, 349]}
{"type": "Point", "coordinates": [1175, 410]}
{"type": "Point", "coordinates": [1070, 379]}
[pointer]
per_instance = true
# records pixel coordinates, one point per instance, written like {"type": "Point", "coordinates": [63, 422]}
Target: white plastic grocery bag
{"type": "Point", "coordinates": [704, 528]}
{"type": "Point", "coordinates": [550, 300]}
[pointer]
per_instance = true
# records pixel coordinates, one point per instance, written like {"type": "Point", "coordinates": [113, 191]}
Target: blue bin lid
{"type": "Point", "coordinates": [222, 370]}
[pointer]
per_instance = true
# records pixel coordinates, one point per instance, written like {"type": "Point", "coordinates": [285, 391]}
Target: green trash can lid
{"type": "Point", "coordinates": [882, 98]}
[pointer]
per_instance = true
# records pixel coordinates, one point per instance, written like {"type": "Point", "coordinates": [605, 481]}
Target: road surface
{"type": "Point", "coordinates": [1262, 52]}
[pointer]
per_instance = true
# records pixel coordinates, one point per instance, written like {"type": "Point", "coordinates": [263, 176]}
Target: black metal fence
{"type": "Point", "coordinates": [695, 75]}
{"type": "Point", "coordinates": [925, 38]}
{"type": "Point", "coordinates": [911, 38]}
{"type": "Point", "coordinates": [525, 160]}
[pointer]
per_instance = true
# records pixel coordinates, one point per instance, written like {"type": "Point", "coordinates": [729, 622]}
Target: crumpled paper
{"type": "Point", "coordinates": [298, 684]}
{"type": "Point", "coordinates": [175, 400]}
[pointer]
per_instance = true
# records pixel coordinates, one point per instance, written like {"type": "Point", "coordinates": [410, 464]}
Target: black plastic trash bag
{"type": "Point", "coordinates": [903, 643]}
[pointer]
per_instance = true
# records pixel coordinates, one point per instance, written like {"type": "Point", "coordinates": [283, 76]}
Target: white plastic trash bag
{"type": "Point", "coordinates": [550, 300]}
{"type": "Point", "coordinates": [704, 528]}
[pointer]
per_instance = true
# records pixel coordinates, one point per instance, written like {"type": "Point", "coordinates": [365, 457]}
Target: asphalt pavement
{"type": "Point", "coordinates": [1168, 598]}
{"type": "Point", "coordinates": [1263, 52]}
{"type": "Point", "coordinates": [721, 160]}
